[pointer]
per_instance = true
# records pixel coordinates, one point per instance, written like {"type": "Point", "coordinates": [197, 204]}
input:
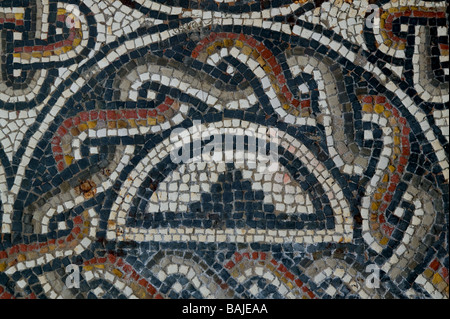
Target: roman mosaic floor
{"type": "Point", "coordinates": [224, 149]}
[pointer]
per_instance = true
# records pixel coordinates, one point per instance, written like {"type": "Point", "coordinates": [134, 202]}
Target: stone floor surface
{"type": "Point", "coordinates": [224, 149]}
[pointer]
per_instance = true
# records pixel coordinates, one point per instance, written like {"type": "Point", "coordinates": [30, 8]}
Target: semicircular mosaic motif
{"type": "Point", "coordinates": [224, 149]}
